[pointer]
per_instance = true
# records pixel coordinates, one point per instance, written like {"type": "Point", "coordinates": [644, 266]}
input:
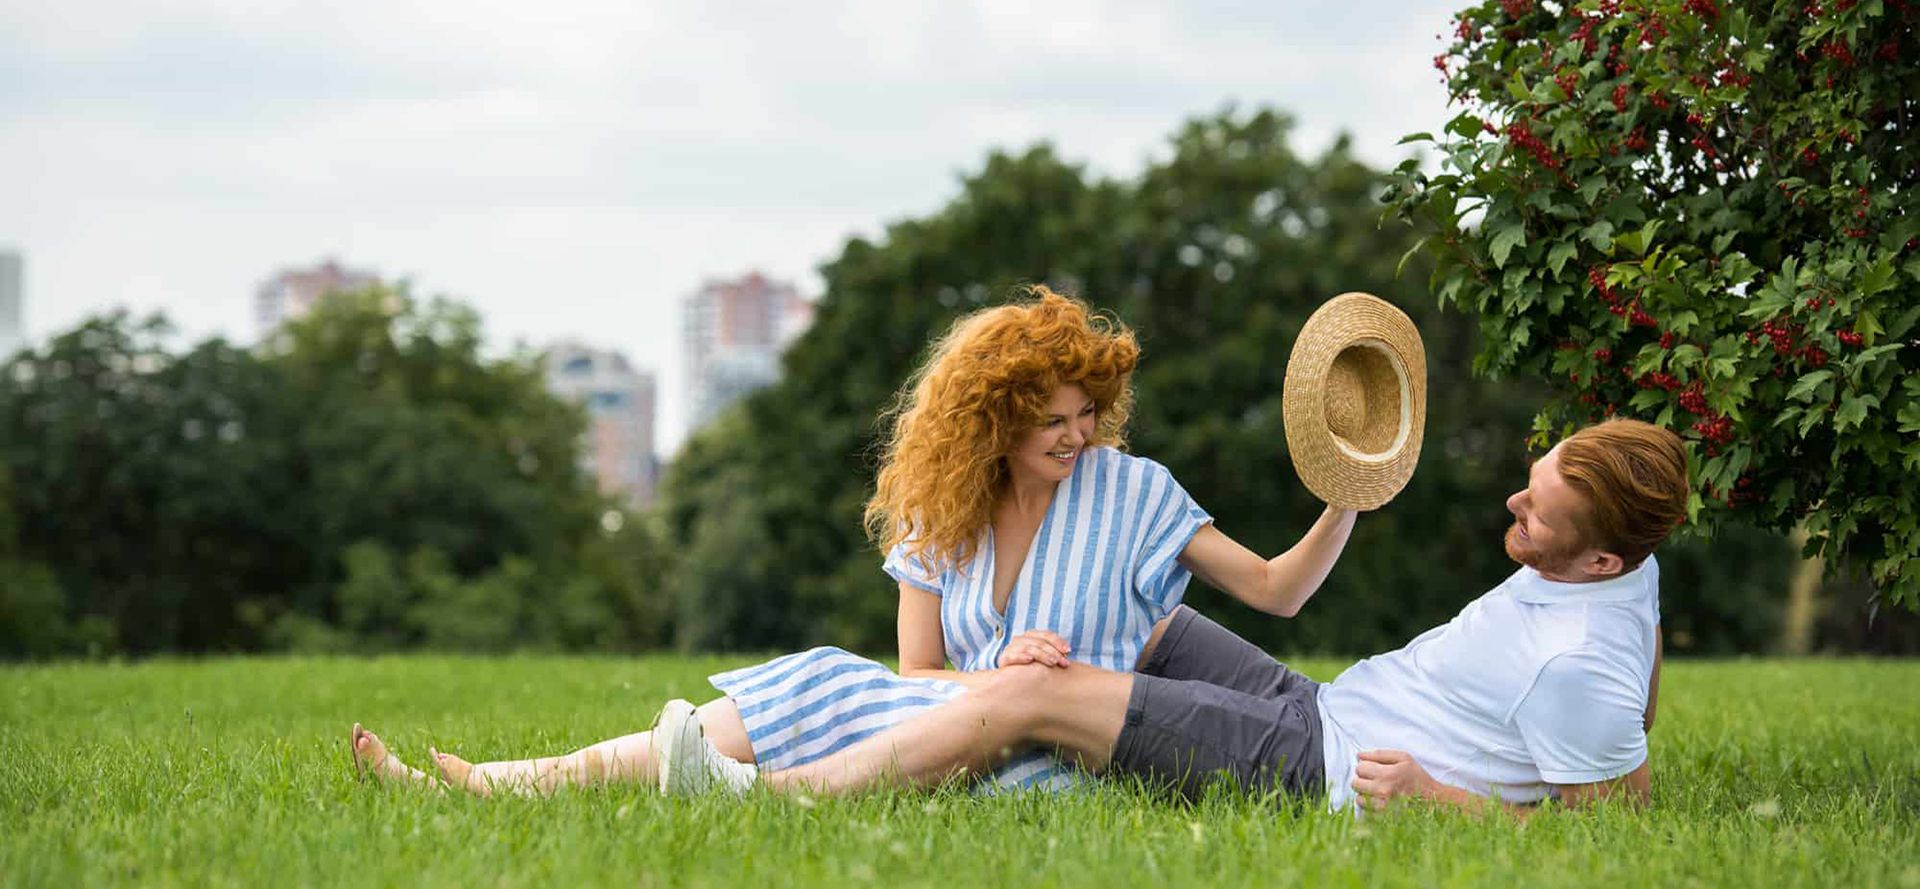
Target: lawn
{"type": "Point", "coordinates": [235, 771]}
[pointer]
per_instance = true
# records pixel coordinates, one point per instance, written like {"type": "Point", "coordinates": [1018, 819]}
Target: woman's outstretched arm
{"type": "Point", "coordinates": [1279, 585]}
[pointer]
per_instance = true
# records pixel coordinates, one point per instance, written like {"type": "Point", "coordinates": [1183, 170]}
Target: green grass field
{"type": "Point", "coordinates": [236, 772]}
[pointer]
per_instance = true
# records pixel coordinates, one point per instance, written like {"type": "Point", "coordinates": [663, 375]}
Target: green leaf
{"type": "Point", "coordinates": [1646, 398]}
{"type": "Point", "coordinates": [1909, 418]}
{"type": "Point", "coordinates": [1904, 323]}
{"type": "Point", "coordinates": [1600, 235]}
{"type": "Point", "coordinates": [1868, 356]}
{"type": "Point", "coordinates": [1561, 252]}
{"type": "Point", "coordinates": [1415, 137]}
{"type": "Point", "coordinates": [1853, 410]}
{"type": "Point", "coordinates": [1803, 388]}
{"type": "Point", "coordinates": [1590, 188]}
{"type": "Point", "coordinates": [1465, 125]}
{"type": "Point", "coordinates": [1405, 257]}
{"type": "Point", "coordinates": [1878, 277]}
{"type": "Point", "coordinates": [1517, 88]}
{"type": "Point", "coordinates": [1511, 235]}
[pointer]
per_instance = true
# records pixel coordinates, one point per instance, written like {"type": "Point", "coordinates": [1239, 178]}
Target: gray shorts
{"type": "Point", "coordinates": [1208, 703]}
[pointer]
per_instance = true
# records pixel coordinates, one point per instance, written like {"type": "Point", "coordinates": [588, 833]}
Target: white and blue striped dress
{"type": "Point", "coordinates": [1101, 571]}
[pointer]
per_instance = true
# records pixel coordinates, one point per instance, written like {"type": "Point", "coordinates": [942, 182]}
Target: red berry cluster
{"type": "Point", "coordinates": [1837, 51]}
{"type": "Point", "coordinates": [1653, 31]}
{"type": "Point", "coordinates": [1637, 140]}
{"type": "Point", "coordinates": [1694, 399]}
{"type": "Point", "coordinates": [1814, 355]}
{"type": "Point", "coordinates": [1521, 135]}
{"type": "Point", "coordinates": [1706, 9]}
{"type": "Point", "coordinates": [1731, 75]}
{"type": "Point", "coordinates": [1597, 276]}
{"type": "Point", "coordinates": [1568, 78]}
{"type": "Point", "coordinates": [1517, 9]}
{"type": "Point", "coordinates": [1620, 94]}
{"type": "Point", "coordinates": [1666, 340]}
{"type": "Point", "coordinates": [1658, 379]}
{"type": "Point", "coordinates": [1583, 35]}
{"type": "Point", "coordinates": [1851, 338]}
{"type": "Point", "coordinates": [1603, 354]}
{"type": "Point", "coordinates": [1716, 429]}
{"type": "Point", "coordinates": [1779, 333]}
{"type": "Point", "coordinates": [1659, 101]}
{"type": "Point", "coordinates": [1888, 51]}
{"type": "Point", "coordinates": [1465, 30]}
{"type": "Point", "coordinates": [1638, 317]}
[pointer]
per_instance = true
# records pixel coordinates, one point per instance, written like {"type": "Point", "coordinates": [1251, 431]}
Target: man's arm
{"type": "Point", "coordinates": [1386, 775]}
{"type": "Point", "coordinates": [1653, 683]}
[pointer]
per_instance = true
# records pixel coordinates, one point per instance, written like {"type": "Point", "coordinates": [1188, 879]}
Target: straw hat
{"type": "Point", "coordinates": [1356, 401]}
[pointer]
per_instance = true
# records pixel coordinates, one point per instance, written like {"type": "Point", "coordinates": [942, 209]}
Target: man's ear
{"type": "Point", "coordinates": [1605, 564]}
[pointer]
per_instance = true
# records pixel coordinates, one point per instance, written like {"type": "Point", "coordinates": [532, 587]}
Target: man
{"type": "Point", "coordinates": [1545, 686]}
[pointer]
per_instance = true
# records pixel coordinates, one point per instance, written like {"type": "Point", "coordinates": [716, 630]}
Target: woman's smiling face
{"type": "Point", "coordinates": [1048, 452]}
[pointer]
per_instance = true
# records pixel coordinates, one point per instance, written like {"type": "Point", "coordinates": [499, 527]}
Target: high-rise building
{"type": "Point", "coordinates": [13, 334]}
{"type": "Point", "coordinates": [619, 400]}
{"type": "Point", "coordinates": [293, 292]}
{"type": "Point", "coordinates": [735, 332]}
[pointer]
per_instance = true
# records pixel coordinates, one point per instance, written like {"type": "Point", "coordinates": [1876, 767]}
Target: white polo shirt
{"type": "Point", "coordinates": [1535, 683]}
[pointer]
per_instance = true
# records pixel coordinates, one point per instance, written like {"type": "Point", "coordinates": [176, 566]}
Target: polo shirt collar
{"type": "Point", "coordinates": [1533, 589]}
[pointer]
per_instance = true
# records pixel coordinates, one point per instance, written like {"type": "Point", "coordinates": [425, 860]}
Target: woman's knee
{"type": "Point", "coordinates": [720, 721]}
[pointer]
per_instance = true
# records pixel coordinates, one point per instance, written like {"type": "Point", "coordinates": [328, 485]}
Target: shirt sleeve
{"type": "Point", "coordinates": [1168, 519]}
{"type": "Point", "coordinates": [1582, 721]}
{"type": "Point", "coordinates": [908, 569]}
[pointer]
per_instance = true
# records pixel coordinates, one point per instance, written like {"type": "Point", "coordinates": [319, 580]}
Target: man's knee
{"type": "Point", "coordinates": [1022, 695]}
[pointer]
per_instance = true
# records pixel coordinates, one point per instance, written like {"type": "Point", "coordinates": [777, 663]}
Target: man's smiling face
{"type": "Point", "coordinates": [1544, 535]}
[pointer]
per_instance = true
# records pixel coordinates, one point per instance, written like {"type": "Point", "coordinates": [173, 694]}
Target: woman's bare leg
{"type": "Point", "coordinates": [628, 758]}
{"type": "Point", "coordinates": [1077, 709]}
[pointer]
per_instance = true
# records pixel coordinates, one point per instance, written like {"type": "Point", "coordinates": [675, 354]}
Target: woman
{"type": "Point", "coordinates": [1018, 534]}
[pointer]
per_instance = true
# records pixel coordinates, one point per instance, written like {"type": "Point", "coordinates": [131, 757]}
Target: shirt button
{"type": "Point", "coordinates": [999, 632]}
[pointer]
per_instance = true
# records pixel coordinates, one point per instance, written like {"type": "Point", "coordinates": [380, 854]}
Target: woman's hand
{"type": "Point", "coordinates": [1036, 647]}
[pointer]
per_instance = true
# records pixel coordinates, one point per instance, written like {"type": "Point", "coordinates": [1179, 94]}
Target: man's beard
{"type": "Point", "coordinates": [1541, 560]}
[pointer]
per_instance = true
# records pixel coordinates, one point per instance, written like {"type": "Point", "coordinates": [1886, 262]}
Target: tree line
{"type": "Point", "coordinates": [368, 480]}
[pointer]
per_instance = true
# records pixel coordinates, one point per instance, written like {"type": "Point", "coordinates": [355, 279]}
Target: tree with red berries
{"type": "Point", "coordinates": [1702, 214]}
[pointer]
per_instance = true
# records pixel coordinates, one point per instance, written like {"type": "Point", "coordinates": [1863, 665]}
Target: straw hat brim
{"type": "Point", "coordinates": [1355, 401]}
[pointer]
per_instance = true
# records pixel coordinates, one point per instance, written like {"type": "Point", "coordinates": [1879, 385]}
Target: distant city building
{"type": "Point", "coordinates": [620, 405]}
{"type": "Point", "coordinates": [294, 292]}
{"type": "Point", "coordinates": [13, 333]}
{"type": "Point", "coordinates": [735, 332]}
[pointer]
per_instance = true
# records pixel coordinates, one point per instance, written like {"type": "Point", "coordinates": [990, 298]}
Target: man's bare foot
{"type": "Point", "coordinates": [460, 774]}
{"type": "Point", "coordinates": [370, 757]}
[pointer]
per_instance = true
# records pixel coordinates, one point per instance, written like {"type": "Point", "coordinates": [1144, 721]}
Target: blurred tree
{"type": "Point", "coordinates": [222, 499]}
{"type": "Point", "coordinates": [32, 605]}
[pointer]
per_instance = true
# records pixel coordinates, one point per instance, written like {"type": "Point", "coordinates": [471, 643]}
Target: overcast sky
{"type": "Point", "coordinates": [573, 169]}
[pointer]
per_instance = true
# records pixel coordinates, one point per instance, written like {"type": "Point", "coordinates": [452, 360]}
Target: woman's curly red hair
{"type": "Point", "coordinates": [989, 380]}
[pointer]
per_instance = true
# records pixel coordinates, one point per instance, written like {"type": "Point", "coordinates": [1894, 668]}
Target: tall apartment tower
{"type": "Point", "coordinates": [293, 292]}
{"type": "Point", "coordinates": [735, 332]}
{"type": "Point", "coordinates": [13, 333]}
{"type": "Point", "coordinates": [620, 407]}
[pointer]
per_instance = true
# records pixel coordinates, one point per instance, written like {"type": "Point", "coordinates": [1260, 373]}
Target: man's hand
{"type": "Point", "coordinates": [1036, 647]}
{"type": "Point", "coordinates": [1385, 775]}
